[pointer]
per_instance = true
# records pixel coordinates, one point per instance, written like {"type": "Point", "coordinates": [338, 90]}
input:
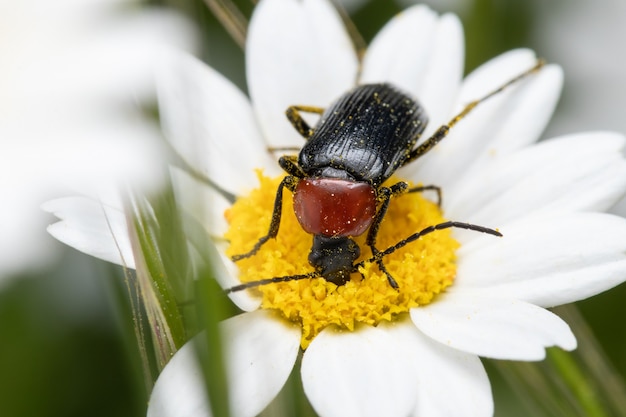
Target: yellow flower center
{"type": "Point", "coordinates": [422, 268]}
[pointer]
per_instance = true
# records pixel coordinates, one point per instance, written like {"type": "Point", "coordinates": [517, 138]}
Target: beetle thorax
{"type": "Point", "coordinates": [334, 207]}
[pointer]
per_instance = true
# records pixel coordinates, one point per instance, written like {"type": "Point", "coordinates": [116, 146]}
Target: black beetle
{"type": "Point", "coordinates": [336, 179]}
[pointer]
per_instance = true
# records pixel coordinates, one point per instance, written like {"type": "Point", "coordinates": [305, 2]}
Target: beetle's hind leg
{"type": "Point", "coordinates": [288, 182]}
{"type": "Point", "coordinates": [301, 126]}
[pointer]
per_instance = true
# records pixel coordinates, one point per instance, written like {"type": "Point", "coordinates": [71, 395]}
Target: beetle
{"type": "Point", "coordinates": [336, 180]}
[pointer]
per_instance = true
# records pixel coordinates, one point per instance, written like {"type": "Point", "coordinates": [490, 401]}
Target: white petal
{"type": "Point", "coordinates": [451, 383]}
{"type": "Point", "coordinates": [107, 53]}
{"type": "Point", "coordinates": [507, 121]}
{"type": "Point", "coordinates": [392, 57]}
{"type": "Point", "coordinates": [429, 66]}
{"type": "Point", "coordinates": [528, 112]}
{"type": "Point", "coordinates": [520, 120]}
{"type": "Point", "coordinates": [549, 260]}
{"type": "Point", "coordinates": [577, 172]}
{"type": "Point", "coordinates": [204, 203]}
{"type": "Point", "coordinates": [206, 206]}
{"type": "Point", "coordinates": [444, 73]}
{"type": "Point", "coordinates": [494, 73]}
{"type": "Point", "coordinates": [298, 53]}
{"type": "Point", "coordinates": [226, 273]}
{"type": "Point", "coordinates": [180, 391]}
{"type": "Point", "coordinates": [361, 373]}
{"type": "Point", "coordinates": [260, 353]}
{"type": "Point", "coordinates": [493, 327]}
{"type": "Point", "coordinates": [93, 228]}
{"type": "Point", "coordinates": [210, 123]}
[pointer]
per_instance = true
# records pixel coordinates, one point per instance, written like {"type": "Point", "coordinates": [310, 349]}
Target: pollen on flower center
{"type": "Point", "coordinates": [422, 269]}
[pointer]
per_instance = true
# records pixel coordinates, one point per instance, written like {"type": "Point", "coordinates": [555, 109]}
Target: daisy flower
{"type": "Point", "coordinates": [369, 349]}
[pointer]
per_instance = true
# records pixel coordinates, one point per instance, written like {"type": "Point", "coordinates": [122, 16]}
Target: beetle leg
{"type": "Point", "coordinates": [293, 114]}
{"type": "Point", "coordinates": [273, 149]}
{"type": "Point", "coordinates": [423, 188]}
{"type": "Point", "coordinates": [381, 266]}
{"type": "Point", "coordinates": [288, 182]}
{"type": "Point", "coordinates": [290, 164]}
{"type": "Point", "coordinates": [384, 196]}
{"type": "Point", "coordinates": [443, 131]}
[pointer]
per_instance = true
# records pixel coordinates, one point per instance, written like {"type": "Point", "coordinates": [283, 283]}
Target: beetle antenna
{"type": "Point", "coordinates": [377, 258]}
{"type": "Point", "coordinates": [254, 284]}
{"type": "Point", "coordinates": [470, 106]}
{"type": "Point", "coordinates": [379, 255]}
{"type": "Point", "coordinates": [443, 130]}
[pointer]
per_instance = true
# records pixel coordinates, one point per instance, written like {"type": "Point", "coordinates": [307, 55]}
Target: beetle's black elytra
{"type": "Point", "coordinates": [359, 141]}
{"type": "Point", "coordinates": [364, 136]}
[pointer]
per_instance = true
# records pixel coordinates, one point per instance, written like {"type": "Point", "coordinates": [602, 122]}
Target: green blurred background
{"type": "Point", "coordinates": [67, 346]}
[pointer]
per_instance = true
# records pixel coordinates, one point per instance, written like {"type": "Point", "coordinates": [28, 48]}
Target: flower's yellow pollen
{"type": "Point", "coordinates": [422, 269]}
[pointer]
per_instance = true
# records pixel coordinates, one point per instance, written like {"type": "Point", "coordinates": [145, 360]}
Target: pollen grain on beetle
{"type": "Point", "coordinates": [422, 269]}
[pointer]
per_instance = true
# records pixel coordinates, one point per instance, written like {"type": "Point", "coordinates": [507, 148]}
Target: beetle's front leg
{"type": "Point", "coordinates": [289, 163]}
{"type": "Point", "coordinates": [288, 182]}
{"type": "Point", "coordinates": [384, 197]}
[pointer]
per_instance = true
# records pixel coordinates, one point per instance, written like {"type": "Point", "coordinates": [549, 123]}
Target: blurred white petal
{"type": "Point", "coordinates": [260, 353]}
{"type": "Point", "coordinates": [93, 228]}
{"type": "Point", "coordinates": [180, 389]}
{"type": "Point", "coordinates": [71, 75]}
{"type": "Point", "coordinates": [202, 202]}
{"type": "Point", "coordinates": [210, 123]}
{"type": "Point", "coordinates": [226, 273]}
